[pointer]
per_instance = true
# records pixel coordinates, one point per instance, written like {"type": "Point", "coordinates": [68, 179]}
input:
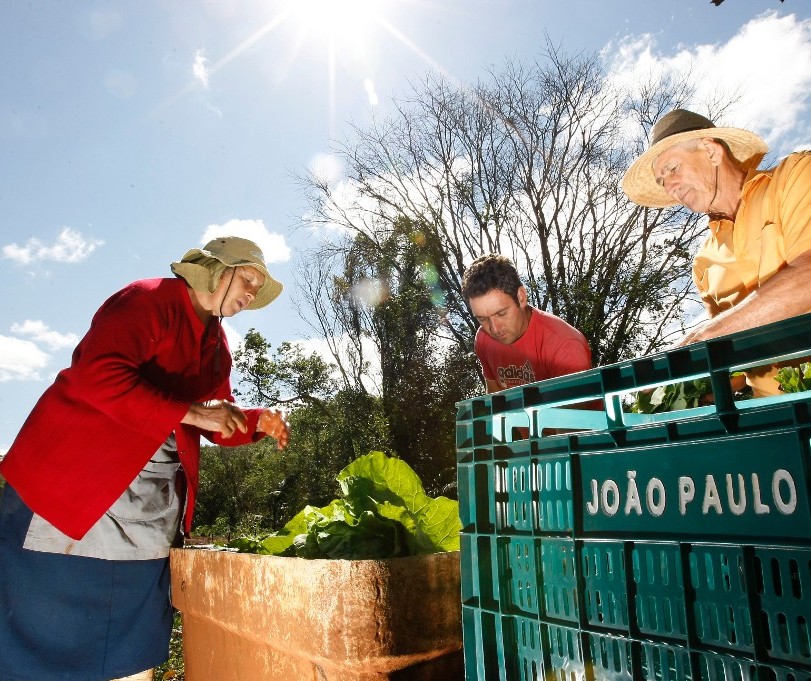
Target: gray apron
{"type": "Point", "coordinates": [143, 524]}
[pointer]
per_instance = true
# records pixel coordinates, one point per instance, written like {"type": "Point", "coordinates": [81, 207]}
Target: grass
{"type": "Point", "coordinates": [172, 669]}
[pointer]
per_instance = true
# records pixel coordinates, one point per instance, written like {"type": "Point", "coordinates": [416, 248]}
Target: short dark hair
{"type": "Point", "coordinates": [489, 272]}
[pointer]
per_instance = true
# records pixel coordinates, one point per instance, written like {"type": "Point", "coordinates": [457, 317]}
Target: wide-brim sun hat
{"type": "Point", "coordinates": [203, 267]}
{"type": "Point", "coordinates": [680, 125]}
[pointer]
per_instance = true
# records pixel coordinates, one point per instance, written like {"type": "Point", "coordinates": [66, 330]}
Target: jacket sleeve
{"type": "Point", "coordinates": [239, 438]}
{"type": "Point", "coordinates": [106, 368]}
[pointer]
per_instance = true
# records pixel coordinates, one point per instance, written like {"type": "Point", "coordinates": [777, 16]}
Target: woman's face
{"type": "Point", "coordinates": [237, 288]}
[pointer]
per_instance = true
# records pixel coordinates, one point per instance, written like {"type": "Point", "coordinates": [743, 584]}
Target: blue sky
{"type": "Point", "coordinates": [132, 131]}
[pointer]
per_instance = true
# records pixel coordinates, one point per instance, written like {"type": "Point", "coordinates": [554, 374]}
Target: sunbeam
{"type": "Point", "coordinates": [278, 20]}
{"type": "Point", "coordinates": [422, 54]}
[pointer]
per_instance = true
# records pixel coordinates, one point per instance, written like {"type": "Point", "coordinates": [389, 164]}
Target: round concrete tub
{"type": "Point", "coordinates": [255, 618]}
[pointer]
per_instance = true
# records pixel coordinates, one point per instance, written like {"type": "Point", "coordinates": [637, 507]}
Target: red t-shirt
{"type": "Point", "coordinates": [549, 347]}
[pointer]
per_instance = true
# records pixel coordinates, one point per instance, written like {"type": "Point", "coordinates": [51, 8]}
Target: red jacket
{"type": "Point", "coordinates": [145, 359]}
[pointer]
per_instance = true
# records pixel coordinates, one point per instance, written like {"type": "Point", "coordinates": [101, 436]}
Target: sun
{"type": "Point", "coordinates": [337, 21]}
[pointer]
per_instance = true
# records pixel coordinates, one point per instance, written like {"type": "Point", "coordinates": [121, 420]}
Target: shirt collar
{"type": "Point", "coordinates": [753, 177]}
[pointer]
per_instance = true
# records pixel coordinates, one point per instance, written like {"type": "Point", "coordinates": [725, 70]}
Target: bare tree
{"type": "Point", "coordinates": [527, 163]}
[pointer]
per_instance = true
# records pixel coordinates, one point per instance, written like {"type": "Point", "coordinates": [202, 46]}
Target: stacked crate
{"type": "Point", "coordinates": [624, 546]}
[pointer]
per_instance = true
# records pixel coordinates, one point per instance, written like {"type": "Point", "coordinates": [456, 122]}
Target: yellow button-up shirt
{"type": "Point", "coordinates": [772, 228]}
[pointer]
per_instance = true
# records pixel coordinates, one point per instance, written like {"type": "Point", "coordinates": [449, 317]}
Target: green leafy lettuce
{"type": "Point", "coordinates": [795, 379]}
{"type": "Point", "coordinates": [671, 397]}
{"type": "Point", "coordinates": [384, 512]}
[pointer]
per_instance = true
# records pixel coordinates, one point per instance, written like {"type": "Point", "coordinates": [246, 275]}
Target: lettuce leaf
{"type": "Point", "coordinates": [671, 397]}
{"type": "Point", "coordinates": [384, 513]}
{"type": "Point", "coordinates": [795, 379]}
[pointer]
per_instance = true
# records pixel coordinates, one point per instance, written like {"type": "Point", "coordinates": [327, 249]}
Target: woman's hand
{"type": "Point", "coordinates": [218, 416]}
{"type": "Point", "coordinates": [273, 422]}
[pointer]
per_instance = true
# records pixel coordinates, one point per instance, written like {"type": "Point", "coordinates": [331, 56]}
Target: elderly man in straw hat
{"type": "Point", "coordinates": [101, 479]}
{"type": "Point", "coordinates": [755, 265]}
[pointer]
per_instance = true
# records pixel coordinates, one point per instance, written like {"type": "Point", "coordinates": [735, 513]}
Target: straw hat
{"type": "Point", "coordinates": [681, 125]}
{"type": "Point", "coordinates": [203, 267]}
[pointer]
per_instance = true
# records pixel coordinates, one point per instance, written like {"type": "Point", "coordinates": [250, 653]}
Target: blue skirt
{"type": "Point", "coordinates": [71, 618]}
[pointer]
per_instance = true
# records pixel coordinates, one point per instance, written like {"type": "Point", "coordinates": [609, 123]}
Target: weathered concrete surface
{"type": "Point", "coordinates": [251, 618]}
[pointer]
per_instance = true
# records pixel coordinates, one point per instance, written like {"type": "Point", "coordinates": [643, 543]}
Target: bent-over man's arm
{"type": "Point", "coordinates": [786, 294]}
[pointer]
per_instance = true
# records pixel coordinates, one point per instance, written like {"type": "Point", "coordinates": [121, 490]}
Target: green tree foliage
{"type": "Point", "coordinates": [285, 377]}
{"type": "Point", "coordinates": [325, 441]}
{"type": "Point", "coordinates": [422, 374]}
{"type": "Point", "coordinates": [236, 487]}
{"type": "Point", "coordinates": [257, 486]}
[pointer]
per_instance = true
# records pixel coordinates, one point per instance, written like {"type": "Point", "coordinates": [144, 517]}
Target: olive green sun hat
{"type": "Point", "coordinates": [680, 125]}
{"type": "Point", "coordinates": [203, 267]}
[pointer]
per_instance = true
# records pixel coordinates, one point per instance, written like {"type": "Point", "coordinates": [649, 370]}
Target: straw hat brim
{"type": "Point", "coordinates": [640, 185]}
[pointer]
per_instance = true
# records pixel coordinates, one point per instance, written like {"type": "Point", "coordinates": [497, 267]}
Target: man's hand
{"type": "Point", "coordinates": [218, 416]}
{"type": "Point", "coordinates": [273, 422]}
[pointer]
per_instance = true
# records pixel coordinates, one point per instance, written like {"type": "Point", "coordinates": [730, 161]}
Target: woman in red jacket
{"type": "Point", "coordinates": [101, 479]}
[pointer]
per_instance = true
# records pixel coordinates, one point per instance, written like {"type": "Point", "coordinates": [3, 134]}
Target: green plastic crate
{"type": "Point", "coordinates": [598, 544]}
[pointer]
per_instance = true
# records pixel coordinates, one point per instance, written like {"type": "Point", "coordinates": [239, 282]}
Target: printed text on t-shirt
{"type": "Point", "coordinates": [515, 375]}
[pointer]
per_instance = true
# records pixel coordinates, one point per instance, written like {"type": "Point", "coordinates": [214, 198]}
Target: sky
{"type": "Point", "coordinates": [131, 132]}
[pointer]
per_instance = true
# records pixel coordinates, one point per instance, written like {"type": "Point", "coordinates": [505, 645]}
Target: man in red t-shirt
{"type": "Point", "coordinates": [516, 343]}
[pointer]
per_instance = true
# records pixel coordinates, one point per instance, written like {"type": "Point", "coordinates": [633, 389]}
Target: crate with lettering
{"type": "Point", "coordinates": [601, 544]}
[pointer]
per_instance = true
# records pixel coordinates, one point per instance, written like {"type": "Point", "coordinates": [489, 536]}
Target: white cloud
{"type": "Point", "coordinates": [345, 196]}
{"type": "Point", "coordinates": [41, 333]}
{"type": "Point", "coordinates": [214, 109]}
{"type": "Point", "coordinates": [233, 336]}
{"type": "Point", "coordinates": [20, 359]}
{"type": "Point", "coordinates": [70, 247]}
{"type": "Point", "coordinates": [371, 92]}
{"type": "Point", "coordinates": [273, 245]}
{"type": "Point", "coordinates": [200, 68]}
{"type": "Point", "coordinates": [763, 69]}
{"type": "Point", "coordinates": [414, 194]}
{"type": "Point", "coordinates": [324, 348]}
{"type": "Point", "coordinates": [319, 346]}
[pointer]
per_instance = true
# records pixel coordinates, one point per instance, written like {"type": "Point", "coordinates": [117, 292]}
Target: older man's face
{"type": "Point", "coordinates": [687, 174]}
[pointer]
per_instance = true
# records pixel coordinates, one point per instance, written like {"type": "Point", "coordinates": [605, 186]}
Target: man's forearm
{"type": "Point", "coordinates": [786, 294]}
